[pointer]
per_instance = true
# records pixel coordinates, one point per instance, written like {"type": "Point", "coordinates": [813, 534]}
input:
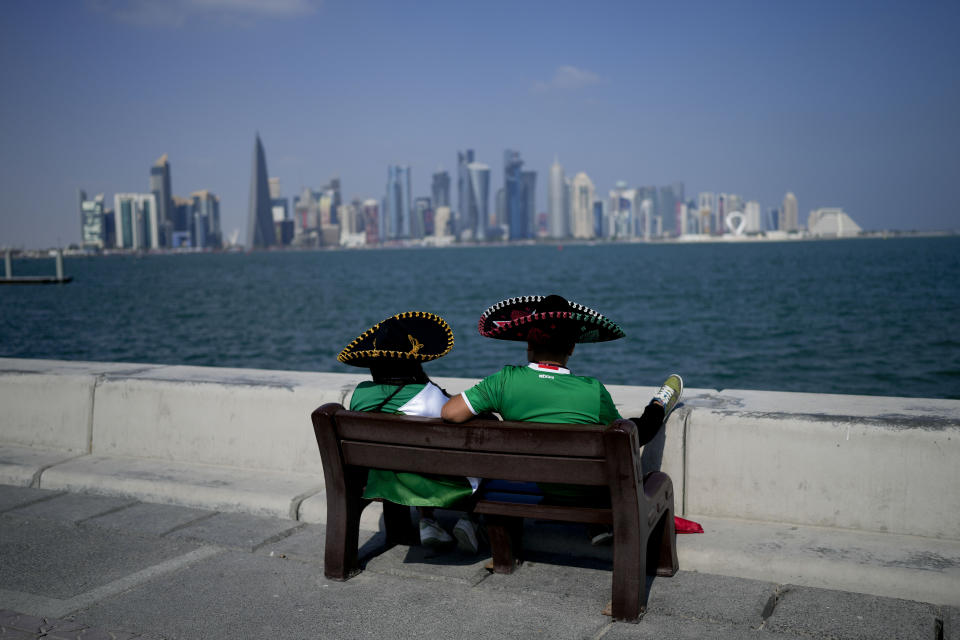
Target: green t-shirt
{"type": "Point", "coordinates": [542, 393]}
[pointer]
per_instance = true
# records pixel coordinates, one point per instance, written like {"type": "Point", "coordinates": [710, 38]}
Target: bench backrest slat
{"type": "Point", "coordinates": [477, 435]}
{"type": "Point", "coordinates": [516, 467]}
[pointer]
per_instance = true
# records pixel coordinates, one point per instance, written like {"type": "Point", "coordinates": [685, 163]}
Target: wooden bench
{"type": "Point", "coordinates": [641, 510]}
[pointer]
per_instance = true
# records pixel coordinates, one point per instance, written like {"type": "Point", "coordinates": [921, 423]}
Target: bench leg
{"type": "Point", "coordinates": [343, 528]}
{"type": "Point", "coordinates": [506, 538]}
{"type": "Point", "coordinates": [662, 547]}
{"type": "Point", "coordinates": [629, 583]}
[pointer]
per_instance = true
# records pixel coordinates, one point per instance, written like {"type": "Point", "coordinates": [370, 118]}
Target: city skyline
{"type": "Point", "coordinates": [849, 106]}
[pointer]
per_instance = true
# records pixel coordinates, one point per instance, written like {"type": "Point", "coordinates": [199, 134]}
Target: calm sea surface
{"type": "Point", "coordinates": [877, 317]}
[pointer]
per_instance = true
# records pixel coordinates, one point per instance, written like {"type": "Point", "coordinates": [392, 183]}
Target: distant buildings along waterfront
{"type": "Point", "coordinates": [481, 211]}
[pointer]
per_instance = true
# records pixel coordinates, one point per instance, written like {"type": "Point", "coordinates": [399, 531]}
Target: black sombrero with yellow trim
{"type": "Point", "coordinates": [540, 319]}
{"type": "Point", "coordinates": [409, 336]}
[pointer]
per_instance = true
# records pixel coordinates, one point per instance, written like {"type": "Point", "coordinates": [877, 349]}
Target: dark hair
{"type": "Point", "coordinates": [398, 372]}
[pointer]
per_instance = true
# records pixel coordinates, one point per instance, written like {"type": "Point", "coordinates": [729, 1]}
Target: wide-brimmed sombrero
{"type": "Point", "coordinates": [540, 319]}
{"type": "Point", "coordinates": [410, 336]}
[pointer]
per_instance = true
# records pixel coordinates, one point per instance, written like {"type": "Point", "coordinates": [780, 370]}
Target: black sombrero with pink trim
{"type": "Point", "coordinates": [542, 318]}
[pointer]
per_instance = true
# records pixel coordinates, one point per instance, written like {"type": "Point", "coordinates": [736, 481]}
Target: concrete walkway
{"type": "Point", "coordinates": [94, 566]}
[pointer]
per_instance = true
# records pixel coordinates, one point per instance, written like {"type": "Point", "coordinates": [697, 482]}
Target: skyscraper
{"type": "Point", "coordinates": [479, 199]}
{"type": "Point", "coordinates": [460, 218]}
{"type": "Point", "coordinates": [556, 201]}
{"type": "Point", "coordinates": [705, 206]}
{"type": "Point", "coordinates": [668, 202]}
{"type": "Point", "coordinates": [371, 221]}
{"type": "Point", "coordinates": [92, 224]}
{"type": "Point", "coordinates": [160, 187]}
{"type": "Point", "coordinates": [421, 223]}
{"type": "Point", "coordinates": [530, 195]}
{"type": "Point", "coordinates": [397, 202]}
{"type": "Point", "coordinates": [260, 232]}
{"type": "Point", "coordinates": [581, 207]}
{"type": "Point", "coordinates": [136, 221]}
{"type": "Point", "coordinates": [518, 215]}
{"type": "Point", "coordinates": [789, 221]}
{"type": "Point", "coordinates": [206, 220]}
{"type": "Point", "coordinates": [441, 189]}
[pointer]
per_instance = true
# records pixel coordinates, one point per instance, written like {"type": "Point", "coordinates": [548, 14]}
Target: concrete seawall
{"type": "Point", "coordinates": [241, 440]}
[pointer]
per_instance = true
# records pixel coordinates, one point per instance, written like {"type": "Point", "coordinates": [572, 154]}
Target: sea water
{"type": "Point", "coordinates": [859, 316]}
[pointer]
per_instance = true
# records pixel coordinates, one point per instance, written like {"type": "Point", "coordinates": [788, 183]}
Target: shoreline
{"type": "Point", "coordinates": [431, 243]}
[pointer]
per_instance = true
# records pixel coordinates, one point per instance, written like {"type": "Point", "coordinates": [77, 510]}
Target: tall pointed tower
{"type": "Point", "coordinates": [260, 232]}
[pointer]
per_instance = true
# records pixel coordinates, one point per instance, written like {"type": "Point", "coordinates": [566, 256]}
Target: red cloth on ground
{"type": "Point", "coordinates": [686, 526]}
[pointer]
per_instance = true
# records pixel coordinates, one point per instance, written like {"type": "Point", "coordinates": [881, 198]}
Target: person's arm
{"type": "Point", "coordinates": [456, 410]}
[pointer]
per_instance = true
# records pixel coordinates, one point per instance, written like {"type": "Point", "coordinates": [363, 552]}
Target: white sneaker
{"type": "Point", "coordinates": [432, 534]}
{"type": "Point", "coordinates": [466, 534]}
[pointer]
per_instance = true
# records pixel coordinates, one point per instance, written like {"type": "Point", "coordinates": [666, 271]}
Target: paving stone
{"type": "Point", "coordinates": [242, 595]}
{"type": "Point", "coordinates": [23, 622]}
{"type": "Point", "coordinates": [237, 530]}
{"type": "Point", "coordinates": [421, 562]}
{"type": "Point", "coordinates": [711, 597]}
{"type": "Point", "coordinates": [59, 560]}
{"type": "Point", "coordinates": [841, 615]}
{"type": "Point", "coordinates": [72, 507]}
{"type": "Point", "coordinates": [14, 634]}
{"type": "Point", "coordinates": [155, 519]}
{"type": "Point", "coordinates": [951, 622]}
{"type": "Point", "coordinates": [662, 627]}
{"type": "Point", "coordinates": [307, 544]}
{"type": "Point", "coordinates": [589, 585]}
{"type": "Point", "coordinates": [12, 497]}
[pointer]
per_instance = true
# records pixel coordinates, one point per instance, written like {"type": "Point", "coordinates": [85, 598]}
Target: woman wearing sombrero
{"type": "Point", "coordinates": [394, 351]}
{"type": "Point", "coordinates": [545, 390]}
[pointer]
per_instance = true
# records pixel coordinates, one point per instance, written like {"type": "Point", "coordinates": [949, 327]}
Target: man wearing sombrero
{"type": "Point", "coordinates": [394, 351]}
{"type": "Point", "coordinates": [545, 390]}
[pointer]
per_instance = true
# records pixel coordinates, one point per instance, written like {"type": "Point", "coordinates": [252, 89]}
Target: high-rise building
{"type": "Point", "coordinates": [396, 210]}
{"type": "Point", "coordinates": [479, 199]}
{"type": "Point", "coordinates": [182, 223]}
{"type": "Point", "coordinates": [557, 201]}
{"type": "Point", "coordinates": [463, 212]}
{"type": "Point", "coordinates": [518, 212]}
{"type": "Point", "coordinates": [421, 223]}
{"type": "Point", "coordinates": [160, 187]}
{"type": "Point", "coordinates": [772, 222]}
{"type": "Point", "coordinates": [283, 226]}
{"type": "Point", "coordinates": [371, 221]}
{"type": "Point", "coordinates": [624, 212]}
{"type": "Point", "coordinates": [751, 215]}
{"type": "Point", "coordinates": [92, 224]}
{"type": "Point", "coordinates": [205, 232]}
{"type": "Point", "coordinates": [599, 218]}
{"type": "Point", "coordinates": [498, 221]}
{"type": "Point", "coordinates": [530, 194]}
{"type": "Point", "coordinates": [136, 221]}
{"type": "Point", "coordinates": [705, 206]}
{"type": "Point", "coordinates": [789, 220]}
{"type": "Point", "coordinates": [260, 231]}
{"type": "Point", "coordinates": [581, 206]}
{"type": "Point", "coordinates": [441, 189]}
{"type": "Point", "coordinates": [441, 222]}
{"type": "Point", "coordinates": [307, 227]}
{"type": "Point", "coordinates": [667, 205]}
{"type": "Point", "coordinates": [332, 190]}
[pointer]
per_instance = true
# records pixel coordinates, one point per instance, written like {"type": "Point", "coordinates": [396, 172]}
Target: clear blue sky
{"type": "Point", "coordinates": [850, 104]}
